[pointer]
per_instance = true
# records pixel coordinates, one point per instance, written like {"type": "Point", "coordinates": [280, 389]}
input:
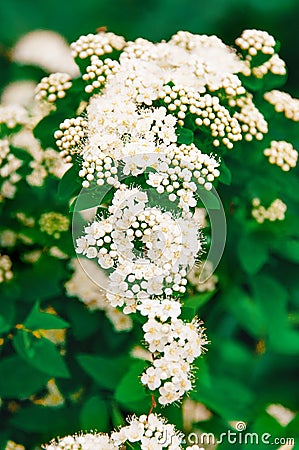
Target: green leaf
{"type": "Point", "coordinates": [227, 396]}
{"type": "Point", "coordinates": [185, 136]}
{"type": "Point", "coordinates": [246, 312]}
{"type": "Point", "coordinates": [130, 391]}
{"type": "Point", "coordinates": [271, 297]}
{"type": "Point", "coordinates": [41, 281]}
{"type": "Point", "coordinates": [198, 300]}
{"type": "Point", "coordinates": [45, 129]}
{"type": "Point", "coordinates": [37, 320]}
{"type": "Point", "coordinates": [288, 249]}
{"type": "Point", "coordinates": [252, 253]}
{"type": "Point", "coordinates": [49, 421]}
{"type": "Point", "coordinates": [7, 316]}
{"type": "Point", "coordinates": [68, 184]}
{"type": "Point", "coordinates": [225, 176]}
{"type": "Point", "coordinates": [19, 379]}
{"type": "Point", "coordinates": [106, 371]}
{"type": "Point", "coordinates": [94, 415]}
{"type": "Point", "coordinates": [90, 198]}
{"type": "Point", "coordinates": [41, 354]}
{"type": "Point", "coordinates": [117, 418]}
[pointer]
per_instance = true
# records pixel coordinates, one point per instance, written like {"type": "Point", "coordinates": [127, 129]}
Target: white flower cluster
{"type": "Point", "coordinates": [11, 445]}
{"type": "Point", "coordinates": [282, 154]}
{"type": "Point", "coordinates": [274, 65]}
{"type": "Point", "coordinates": [81, 285]}
{"type": "Point", "coordinates": [47, 162]}
{"type": "Point", "coordinates": [254, 41]}
{"type": "Point", "coordinates": [174, 344]}
{"type": "Point", "coordinates": [98, 72]}
{"type": "Point", "coordinates": [18, 93]}
{"type": "Point", "coordinates": [285, 103]}
{"type": "Point", "coordinates": [88, 441]}
{"type": "Point", "coordinates": [53, 87]}
{"type": "Point", "coordinates": [13, 115]}
{"type": "Point", "coordinates": [202, 278]}
{"type": "Point", "coordinates": [96, 44]}
{"type": "Point", "coordinates": [252, 121]}
{"type": "Point", "coordinates": [4, 150]}
{"type": "Point", "coordinates": [71, 136]}
{"type": "Point", "coordinates": [44, 162]}
{"type": "Point", "coordinates": [207, 110]}
{"type": "Point", "coordinates": [9, 165]}
{"type": "Point", "coordinates": [150, 432]}
{"type": "Point", "coordinates": [6, 273]}
{"type": "Point", "coordinates": [276, 210]}
{"type": "Point", "coordinates": [46, 49]}
{"type": "Point", "coordinates": [151, 250]}
{"type": "Point", "coordinates": [185, 168]}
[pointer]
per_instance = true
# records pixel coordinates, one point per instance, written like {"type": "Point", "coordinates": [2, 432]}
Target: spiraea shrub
{"type": "Point", "coordinates": [149, 214]}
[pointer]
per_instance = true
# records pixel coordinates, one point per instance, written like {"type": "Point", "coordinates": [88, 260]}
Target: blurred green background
{"type": "Point", "coordinates": [155, 20]}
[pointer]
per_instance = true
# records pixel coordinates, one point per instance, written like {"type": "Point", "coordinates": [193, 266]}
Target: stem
{"type": "Point", "coordinates": [154, 404]}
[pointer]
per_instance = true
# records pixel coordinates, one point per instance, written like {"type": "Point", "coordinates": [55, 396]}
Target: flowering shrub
{"type": "Point", "coordinates": [125, 217]}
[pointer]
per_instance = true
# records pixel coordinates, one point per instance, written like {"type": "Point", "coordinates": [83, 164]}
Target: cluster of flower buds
{"type": "Point", "coordinates": [282, 154]}
{"type": "Point", "coordinates": [284, 103]}
{"type": "Point", "coordinates": [276, 210]}
{"type": "Point", "coordinates": [254, 41]}
{"type": "Point", "coordinates": [97, 44]}
{"type": "Point", "coordinates": [53, 87]}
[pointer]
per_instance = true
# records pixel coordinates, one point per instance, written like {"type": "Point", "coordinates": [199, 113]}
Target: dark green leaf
{"type": "Point", "coordinates": [19, 379]}
{"type": "Point", "coordinates": [107, 372]}
{"type": "Point", "coordinates": [7, 316]}
{"type": "Point", "coordinates": [94, 415]}
{"type": "Point", "coordinates": [130, 390]}
{"type": "Point", "coordinates": [185, 136]}
{"type": "Point", "coordinates": [252, 253]}
{"type": "Point", "coordinates": [68, 184]}
{"type": "Point", "coordinates": [38, 320]}
{"type": "Point", "coordinates": [41, 354]}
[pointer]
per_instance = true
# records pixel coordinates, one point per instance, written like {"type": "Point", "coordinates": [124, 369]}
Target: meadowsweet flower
{"type": "Point", "coordinates": [254, 41]}
{"type": "Point", "coordinates": [284, 103]}
{"type": "Point", "coordinates": [87, 441]}
{"type": "Point", "coordinates": [98, 72]}
{"type": "Point", "coordinates": [152, 432]}
{"type": "Point", "coordinates": [13, 115]}
{"type": "Point", "coordinates": [282, 154]}
{"type": "Point", "coordinates": [80, 285]}
{"type": "Point", "coordinates": [96, 44]}
{"type": "Point", "coordinates": [9, 166]}
{"type": "Point", "coordinates": [202, 278]}
{"type": "Point", "coordinates": [11, 445]}
{"type": "Point", "coordinates": [8, 238]}
{"type": "Point", "coordinates": [185, 169]}
{"type": "Point", "coordinates": [46, 49]}
{"type": "Point", "coordinates": [174, 344]}
{"type": "Point", "coordinates": [276, 211]}
{"type": "Point", "coordinates": [53, 224]}
{"type": "Point", "coordinates": [53, 397]}
{"type": "Point", "coordinates": [71, 136]}
{"type": "Point", "coordinates": [53, 87]}
{"type": "Point", "coordinates": [19, 93]}
{"type": "Point", "coordinates": [252, 121]}
{"type": "Point", "coordinates": [275, 65]}
{"type": "Point", "coordinates": [6, 273]}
